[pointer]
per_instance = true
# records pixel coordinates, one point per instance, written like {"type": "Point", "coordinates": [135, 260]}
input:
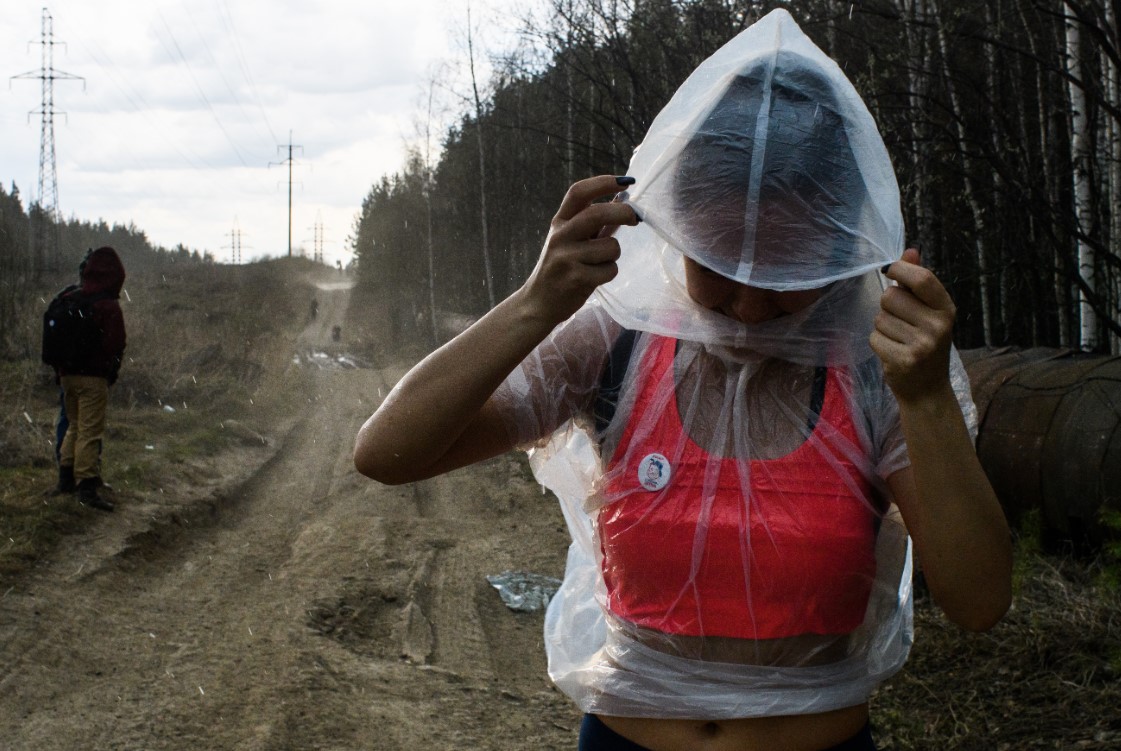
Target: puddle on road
{"type": "Point", "coordinates": [334, 286]}
{"type": "Point", "coordinates": [326, 361]}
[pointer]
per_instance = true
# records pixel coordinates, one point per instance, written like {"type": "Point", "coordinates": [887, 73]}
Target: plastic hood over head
{"type": "Point", "coordinates": [767, 168]}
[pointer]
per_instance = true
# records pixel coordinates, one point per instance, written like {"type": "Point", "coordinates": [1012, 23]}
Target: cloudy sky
{"type": "Point", "coordinates": [184, 113]}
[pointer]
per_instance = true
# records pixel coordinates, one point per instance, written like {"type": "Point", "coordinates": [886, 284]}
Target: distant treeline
{"type": "Point", "coordinates": [36, 252]}
{"type": "Point", "coordinates": [1003, 119]}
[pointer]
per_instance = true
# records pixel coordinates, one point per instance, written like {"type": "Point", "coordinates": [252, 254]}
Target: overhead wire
{"type": "Point", "coordinates": [140, 105]}
{"type": "Point", "coordinates": [198, 87]}
{"type": "Point", "coordinates": [218, 69]}
{"type": "Point", "coordinates": [239, 55]}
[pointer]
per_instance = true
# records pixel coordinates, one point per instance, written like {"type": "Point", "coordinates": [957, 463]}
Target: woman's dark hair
{"type": "Point", "coordinates": [808, 167]}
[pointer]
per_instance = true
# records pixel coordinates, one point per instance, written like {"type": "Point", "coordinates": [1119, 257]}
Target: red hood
{"type": "Point", "coordinates": [103, 272]}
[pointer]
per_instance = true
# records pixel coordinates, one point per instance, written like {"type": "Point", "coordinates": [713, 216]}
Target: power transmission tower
{"type": "Point", "coordinates": [235, 244]}
{"type": "Point", "coordinates": [317, 230]}
{"type": "Point", "coordinates": [288, 161]}
{"type": "Point", "coordinates": [46, 232]}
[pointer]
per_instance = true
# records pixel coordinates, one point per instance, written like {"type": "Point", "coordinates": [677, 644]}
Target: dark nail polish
{"type": "Point", "coordinates": [885, 268]}
{"type": "Point", "coordinates": [625, 180]}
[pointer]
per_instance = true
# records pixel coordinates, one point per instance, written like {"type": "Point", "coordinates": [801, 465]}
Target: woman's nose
{"type": "Point", "coordinates": [751, 305]}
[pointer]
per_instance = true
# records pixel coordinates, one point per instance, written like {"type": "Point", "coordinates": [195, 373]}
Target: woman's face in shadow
{"type": "Point", "coordinates": [742, 302]}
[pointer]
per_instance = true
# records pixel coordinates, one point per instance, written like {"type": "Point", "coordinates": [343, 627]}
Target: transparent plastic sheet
{"type": "Point", "coordinates": [524, 591]}
{"type": "Point", "coordinates": [766, 167]}
{"type": "Point", "coordinates": [735, 551]}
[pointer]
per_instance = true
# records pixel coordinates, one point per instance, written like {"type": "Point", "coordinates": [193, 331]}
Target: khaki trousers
{"type": "Point", "coordinates": [86, 398]}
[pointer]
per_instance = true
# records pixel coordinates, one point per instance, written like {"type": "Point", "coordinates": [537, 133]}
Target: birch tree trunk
{"type": "Point", "coordinates": [1060, 284]}
{"type": "Point", "coordinates": [994, 19]}
{"type": "Point", "coordinates": [570, 113]}
{"type": "Point", "coordinates": [482, 162]}
{"type": "Point", "coordinates": [428, 181]}
{"type": "Point", "coordinates": [916, 39]}
{"type": "Point", "coordinates": [1080, 159]}
{"type": "Point", "coordinates": [984, 280]}
{"type": "Point", "coordinates": [1113, 96]}
{"type": "Point", "coordinates": [1031, 115]}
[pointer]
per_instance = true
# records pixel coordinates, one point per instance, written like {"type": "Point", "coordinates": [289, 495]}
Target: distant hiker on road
{"type": "Point", "coordinates": [84, 341]}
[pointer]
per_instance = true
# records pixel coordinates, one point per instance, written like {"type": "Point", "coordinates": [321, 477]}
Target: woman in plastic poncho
{"type": "Point", "coordinates": [750, 408]}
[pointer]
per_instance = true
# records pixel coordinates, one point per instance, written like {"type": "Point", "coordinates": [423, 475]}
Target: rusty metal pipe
{"type": "Point", "coordinates": [1050, 436]}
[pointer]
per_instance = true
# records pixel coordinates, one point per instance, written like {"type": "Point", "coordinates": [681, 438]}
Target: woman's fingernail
{"type": "Point", "coordinates": [885, 268]}
{"type": "Point", "coordinates": [624, 180]}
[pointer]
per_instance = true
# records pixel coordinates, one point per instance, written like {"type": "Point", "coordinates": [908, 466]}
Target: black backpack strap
{"type": "Point", "coordinates": [611, 380]}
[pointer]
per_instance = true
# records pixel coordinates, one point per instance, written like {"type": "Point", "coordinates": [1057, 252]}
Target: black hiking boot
{"type": "Point", "coordinates": [87, 494]}
{"type": "Point", "coordinates": [66, 484]}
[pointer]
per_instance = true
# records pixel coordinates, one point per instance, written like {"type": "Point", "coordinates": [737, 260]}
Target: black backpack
{"type": "Point", "coordinates": [71, 337]}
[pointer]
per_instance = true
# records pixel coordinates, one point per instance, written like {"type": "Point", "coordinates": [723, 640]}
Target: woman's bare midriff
{"type": "Point", "coordinates": [812, 732]}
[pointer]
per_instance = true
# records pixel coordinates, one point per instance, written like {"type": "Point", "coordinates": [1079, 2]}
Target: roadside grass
{"type": "Point", "coordinates": [206, 345]}
{"type": "Point", "coordinates": [1048, 676]}
{"type": "Point", "coordinates": [30, 522]}
{"type": "Point", "coordinates": [1111, 552]}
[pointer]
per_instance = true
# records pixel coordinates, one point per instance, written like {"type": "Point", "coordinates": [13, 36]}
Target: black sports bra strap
{"type": "Point", "coordinates": [615, 370]}
{"type": "Point", "coordinates": [817, 396]}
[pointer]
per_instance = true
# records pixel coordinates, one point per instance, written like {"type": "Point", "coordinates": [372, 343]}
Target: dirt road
{"type": "Point", "coordinates": [300, 607]}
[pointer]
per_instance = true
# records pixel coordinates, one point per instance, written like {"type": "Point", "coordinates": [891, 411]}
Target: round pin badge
{"type": "Point", "coordinates": [654, 472]}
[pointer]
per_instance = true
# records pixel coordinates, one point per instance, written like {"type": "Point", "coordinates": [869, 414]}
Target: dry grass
{"type": "Point", "coordinates": [1047, 677]}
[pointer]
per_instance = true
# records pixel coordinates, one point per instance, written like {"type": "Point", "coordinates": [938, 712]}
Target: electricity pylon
{"type": "Point", "coordinates": [317, 240]}
{"type": "Point", "coordinates": [288, 161]}
{"type": "Point", "coordinates": [235, 244]}
{"type": "Point", "coordinates": [46, 231]}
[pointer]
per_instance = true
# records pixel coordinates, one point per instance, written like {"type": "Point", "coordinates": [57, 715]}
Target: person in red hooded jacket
{"type": "Point", "coordinates": [85, 387]}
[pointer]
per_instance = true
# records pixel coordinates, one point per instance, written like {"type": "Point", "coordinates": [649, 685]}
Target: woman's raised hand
{"type": "Point", "coordinates": [579, 253]}
{"type": "Point", "coordinates": [913, 330]}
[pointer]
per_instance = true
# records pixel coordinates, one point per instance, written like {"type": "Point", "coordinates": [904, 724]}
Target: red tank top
{"type": "Point", "coordinates": [788, 550]}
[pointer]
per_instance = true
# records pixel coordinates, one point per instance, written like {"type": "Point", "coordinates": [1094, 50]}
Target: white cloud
{"type": "Point", "coordinates": [185, 103]}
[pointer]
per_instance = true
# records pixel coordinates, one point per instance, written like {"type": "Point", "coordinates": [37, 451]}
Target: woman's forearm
{"type": "Point", "coordinates": [427, 413]}
{"type": "Point", "coordinates": [955, 519]}
{"type": "Point", "coordinates": [439, 416]}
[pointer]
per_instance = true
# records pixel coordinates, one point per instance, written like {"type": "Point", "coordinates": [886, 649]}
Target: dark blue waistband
{"type": "Point", "coordinates": [595, 736]}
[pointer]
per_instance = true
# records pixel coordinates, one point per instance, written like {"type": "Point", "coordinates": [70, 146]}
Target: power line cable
{"type": "Point", "coordinates": [199, 89]}
{"type": "Point", "coordinates": [239, 55]}
{"type": "Point", "coordinates": [218, 69]}
{"type": "Point", "coordinates": [141, 106]}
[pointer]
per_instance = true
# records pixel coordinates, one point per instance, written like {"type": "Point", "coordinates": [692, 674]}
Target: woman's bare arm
{"type": "Point", "coordinates": [440, 416]}
{"type": "Point", "coordinates": [960, 533]}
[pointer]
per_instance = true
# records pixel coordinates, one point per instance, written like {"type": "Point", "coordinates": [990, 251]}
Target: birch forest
{"type": "Point", "coordinates": [1002, 118]}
